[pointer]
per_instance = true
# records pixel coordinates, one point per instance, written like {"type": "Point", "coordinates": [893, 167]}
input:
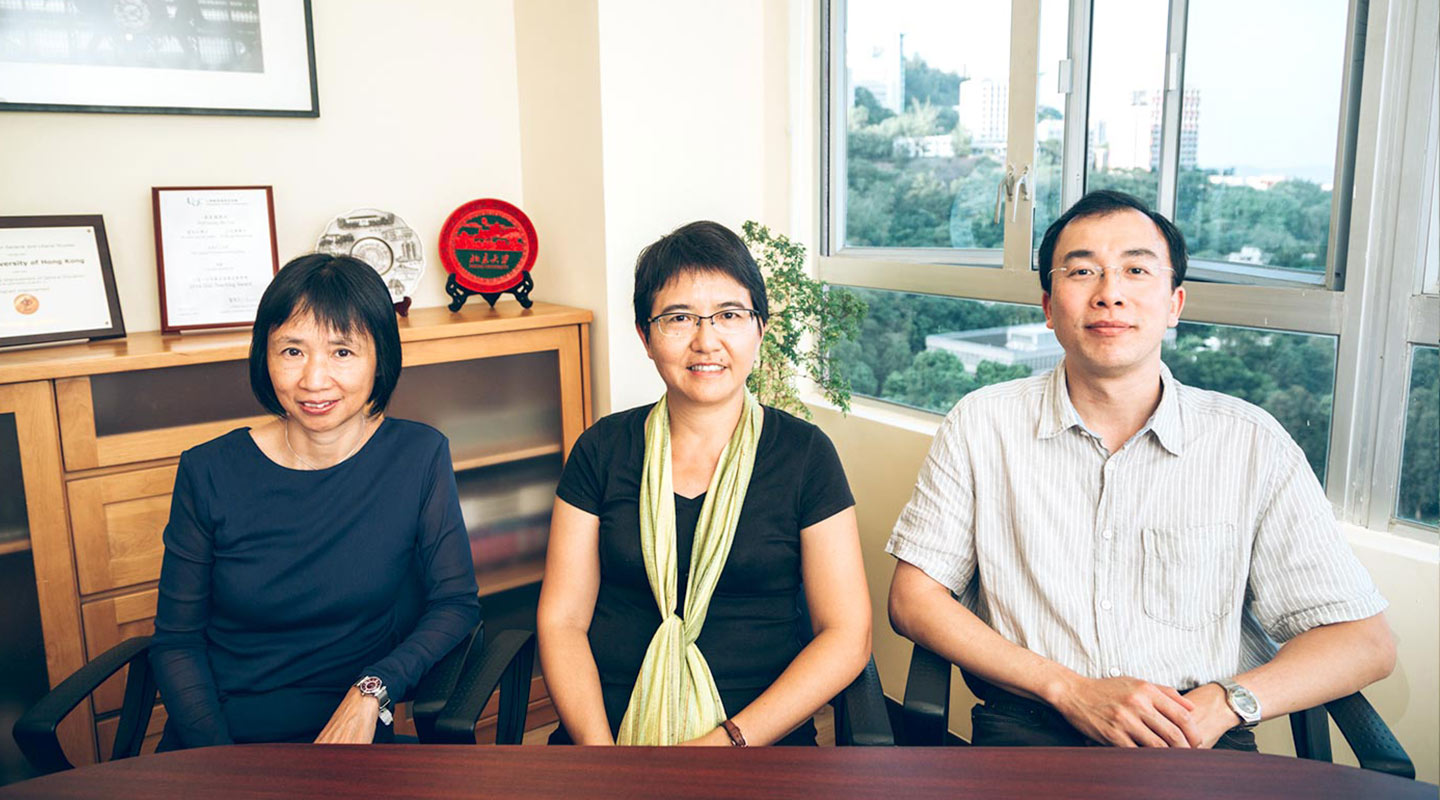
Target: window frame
{"type": "Point", "coordinates": [1366, 299]}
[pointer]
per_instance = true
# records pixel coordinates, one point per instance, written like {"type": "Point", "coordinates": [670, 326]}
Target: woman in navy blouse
{"type": "Point", "coordinates": [315, 567]}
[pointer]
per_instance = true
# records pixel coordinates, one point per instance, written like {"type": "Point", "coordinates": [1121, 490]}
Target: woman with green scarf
{"type": "Point", "coordinates": [683, 532]}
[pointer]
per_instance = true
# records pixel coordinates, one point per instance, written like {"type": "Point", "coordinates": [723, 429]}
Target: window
{"type": "Point", "coordinates": [926, 88]}
{"type": "Point", "coordinates": [1251, 153]}
{"type": "Point", "coordinates": [1418, 500]}
{"type": "Point", "coordinates": [927, 352]}
{"type": "Point", "coordinates": [1256, 137]}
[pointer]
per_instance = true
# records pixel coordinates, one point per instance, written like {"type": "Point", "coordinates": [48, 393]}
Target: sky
{"type": "Point", "coordinates": [1269, 71]}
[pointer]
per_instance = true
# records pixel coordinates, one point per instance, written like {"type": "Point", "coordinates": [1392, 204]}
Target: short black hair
{"type": "Point", "coordinates": [342, 293]}
{"type": "Point", "coordinates": [702, 246]}
{"type": "Point", "coordinates": [1102, 202]}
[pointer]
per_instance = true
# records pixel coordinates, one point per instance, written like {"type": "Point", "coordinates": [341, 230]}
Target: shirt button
{"type": "Point", "coordinates": [1107, 534]}
{"type": "Point", "coordinates": [1106, 604]}
{"type": "Point", "coordinates": [1114, 672]}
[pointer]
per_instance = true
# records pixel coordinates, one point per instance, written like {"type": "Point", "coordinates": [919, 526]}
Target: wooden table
{"type": "Point", "coordinates": [910, 773]}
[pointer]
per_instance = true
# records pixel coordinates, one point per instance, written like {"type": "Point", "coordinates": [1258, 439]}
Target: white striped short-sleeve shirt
{"type": "Point", "coordinates": [1179, 559]}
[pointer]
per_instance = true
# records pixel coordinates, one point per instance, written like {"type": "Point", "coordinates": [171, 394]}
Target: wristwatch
{"type": "Point", "coordinates": [375, 687]}
{"type": "Point", "coordinates": [1245, 704]}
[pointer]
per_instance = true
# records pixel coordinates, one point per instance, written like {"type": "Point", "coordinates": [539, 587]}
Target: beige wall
{"type": "Point", "coordinates": [417, 115]}
{"type": "Point", "coordinates": [558, 66]}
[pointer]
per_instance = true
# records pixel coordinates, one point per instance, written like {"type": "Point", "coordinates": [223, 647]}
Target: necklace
{"type": "Point", "coordinates": [310, 466]}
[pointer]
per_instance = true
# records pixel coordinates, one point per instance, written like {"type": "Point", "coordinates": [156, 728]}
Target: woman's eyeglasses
{"type": "Point", "coordinates": [730, 320]}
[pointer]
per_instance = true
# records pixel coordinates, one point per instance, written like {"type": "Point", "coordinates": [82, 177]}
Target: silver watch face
{"type": "Point", "coordinates": [1245, 703]}
{"type": "Point", "coordinates": [369, 685]}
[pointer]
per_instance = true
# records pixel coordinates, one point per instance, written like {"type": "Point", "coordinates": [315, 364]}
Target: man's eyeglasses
{"type": "Point", "coordinates": [730, 320]}
{"type": "Point", "coordinates": [1134, 274]}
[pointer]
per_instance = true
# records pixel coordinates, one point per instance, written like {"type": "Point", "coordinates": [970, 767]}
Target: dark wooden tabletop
{"type": "Point", "coordinates": [909, 773]}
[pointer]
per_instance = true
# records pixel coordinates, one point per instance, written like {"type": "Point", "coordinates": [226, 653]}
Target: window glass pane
{"type": "Point", "coordinates": [1290, 375]}
{"type": "Point", "coordinates": [1419, 497]}
{"type": "Point", "coordinates": [1127, 71]}
{"type": "Point", "coordinates": [1259, 127]}
{"type": "Point", "coordinates": [927, 352]}
{"type": "Point", "coordinates": [927, 98]}
{"type": "Point", "coordinates": [1049, 116]}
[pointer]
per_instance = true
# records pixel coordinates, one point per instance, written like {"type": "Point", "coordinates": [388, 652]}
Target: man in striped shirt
{"type": "Point", "coordinates": [1128, 550]}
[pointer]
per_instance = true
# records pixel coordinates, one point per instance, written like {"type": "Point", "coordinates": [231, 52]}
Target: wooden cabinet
{"type": "Point", "coordinates": [101, 427]}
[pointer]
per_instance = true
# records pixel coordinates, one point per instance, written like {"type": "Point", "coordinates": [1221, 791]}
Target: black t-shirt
{"type": "Point", "coordinates": [751, 632]}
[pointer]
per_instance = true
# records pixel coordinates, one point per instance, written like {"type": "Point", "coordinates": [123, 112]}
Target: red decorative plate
{"type": "Point", "coordinates": [488, 245]}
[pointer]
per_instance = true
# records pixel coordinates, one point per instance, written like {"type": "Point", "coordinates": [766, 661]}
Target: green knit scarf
{"type": "Point", "coordinates": [675, 698]}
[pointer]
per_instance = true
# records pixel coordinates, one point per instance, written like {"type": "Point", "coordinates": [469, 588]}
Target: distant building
{"type": "Point", "coordinates": [879, 68]}
{"type": "Point", "coordinates": [1248, 255]}
{"type": "Point", "coordinates": [1131, 140]}
{"type": "Point", "coordinates": [1032, 345]}
{"type": "Point", "coordinates": [985, 113]}
{"type": "Point", "coordinates": [1189, 129]}
{"type": "Point", "coordinates": [1258, 182]}
{"type": "Point", "coordinates": [938, 146]}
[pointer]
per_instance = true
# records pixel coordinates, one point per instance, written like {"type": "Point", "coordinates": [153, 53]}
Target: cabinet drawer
{"type": "Point", "coordinates": [108, 623]}
{"type": "Point", "coordinates": [124, 418]}
{"type": "Point", "coordinates": [105, 731]}
{"type": "Point", "coordinates": [117, 522]}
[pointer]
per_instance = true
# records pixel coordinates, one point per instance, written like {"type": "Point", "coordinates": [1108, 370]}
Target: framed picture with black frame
{"type": "Point", "coordinates": [231, 57]}
{"type": "Point", "coordinates": [56, 281]}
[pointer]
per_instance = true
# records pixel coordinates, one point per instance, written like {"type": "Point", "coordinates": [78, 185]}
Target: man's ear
{"type": "Point", "coordinates": [1177, 304]}
{"type": "Point", "coordinates": [1045, 304]}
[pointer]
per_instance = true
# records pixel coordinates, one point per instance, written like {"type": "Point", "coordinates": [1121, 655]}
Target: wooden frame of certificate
{"type": "Point", "coordinates": [56, 280]}
{"type": "Point", "coordinates": [215, 252]}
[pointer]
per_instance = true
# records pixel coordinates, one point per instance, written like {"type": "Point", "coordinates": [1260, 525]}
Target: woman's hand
{"type": "Point", "coordinates": [353, 721]}
{"type": "Point", "coordinates": [715, 738]}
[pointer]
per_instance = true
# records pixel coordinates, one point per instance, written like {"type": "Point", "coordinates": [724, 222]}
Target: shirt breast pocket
{"type": "Point", "coordinates": [1189, 574]}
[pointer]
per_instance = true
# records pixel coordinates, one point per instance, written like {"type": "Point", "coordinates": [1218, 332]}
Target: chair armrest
{"type": "Point", "coordinates": [927, 699]}
{"type": "Point", "coordinates": [436, 686]}
{"type": "Point", "coordinates": [35, 730]}
{"type": "Point", "coordinates": [1375, 746]}
{"type": "Point", "coordinates": [860, 714]}
{"type": "Point", "coordinates": [509, 658]}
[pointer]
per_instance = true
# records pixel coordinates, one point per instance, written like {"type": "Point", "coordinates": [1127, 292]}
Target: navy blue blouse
{"type": "Point", "coordinates": [280, 588]}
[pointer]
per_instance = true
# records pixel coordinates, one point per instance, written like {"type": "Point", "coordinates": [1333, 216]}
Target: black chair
{"type": "Point", "coordinates": [861, 716]}
{"type": "Point", "coordinates": [927, 705]}
{"type": "Point", "coordinates": [476, 668]}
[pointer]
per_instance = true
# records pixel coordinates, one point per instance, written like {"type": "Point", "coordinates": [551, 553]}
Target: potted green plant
{"type": "Point", "coordinates": [807, 319]}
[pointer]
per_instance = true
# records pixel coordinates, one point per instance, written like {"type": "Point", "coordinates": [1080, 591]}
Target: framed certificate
{"type": "Point", "coordinates": [242, 57]}
{"type": "Point", "coordinates": [56, 282]}
{"type": "Point", "coordinates": [215, 253]}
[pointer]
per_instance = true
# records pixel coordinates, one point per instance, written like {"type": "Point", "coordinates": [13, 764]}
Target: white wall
{"type": "Point", "coordinates": [684, 115]}
{"type": "Point", "coordinates": [418, 114]}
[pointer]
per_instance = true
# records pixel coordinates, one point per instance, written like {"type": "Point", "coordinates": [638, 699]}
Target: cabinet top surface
{"type": "Point", "coordinates": [154, 350]}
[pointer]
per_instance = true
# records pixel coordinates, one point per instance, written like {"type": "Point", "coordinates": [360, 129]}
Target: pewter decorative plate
{"type": "Point", "coordinates": [382, 240]}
